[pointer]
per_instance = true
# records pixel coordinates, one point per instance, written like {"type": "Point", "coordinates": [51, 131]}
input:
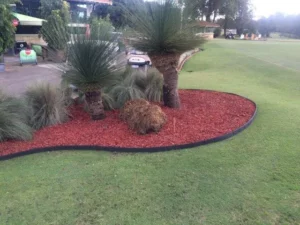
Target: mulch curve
{"type": "Point", "coordinates": [205, 117]}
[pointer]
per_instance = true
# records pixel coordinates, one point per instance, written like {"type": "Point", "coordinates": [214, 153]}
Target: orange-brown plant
{"type": "Point", "coordinates": [143, 117]}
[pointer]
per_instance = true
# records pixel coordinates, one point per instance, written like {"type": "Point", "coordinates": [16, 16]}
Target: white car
{"type": "Point", "coordinates": [138, 58]}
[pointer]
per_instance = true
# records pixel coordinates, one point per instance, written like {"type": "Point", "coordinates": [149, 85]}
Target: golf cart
{"type": "Point", "coordinates": [230, 36]}
{"type": "Point", "coordinates": [138, 60]}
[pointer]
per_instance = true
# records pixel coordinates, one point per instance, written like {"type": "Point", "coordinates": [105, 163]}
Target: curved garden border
{"type": "Point", "coordinates": [136, 150]}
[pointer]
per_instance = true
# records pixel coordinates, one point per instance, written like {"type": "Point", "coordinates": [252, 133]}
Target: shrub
{"type": "Point", "coordinates": [14, 119]}
{"type": "Point", "coordinates": [127, 89]}
{"type": "Point", "coordinates": [101, 29]}
{"type": "Point", "coordinates": [143, 117]}
{"type": "Point", "coordinates": [217, 32]}
{"type": "Point", "coordinates": [135, 84]}
{"type": "Point", "coordinates": [154, 85]}
{"type": "Point", "coordinates": [47, 104]}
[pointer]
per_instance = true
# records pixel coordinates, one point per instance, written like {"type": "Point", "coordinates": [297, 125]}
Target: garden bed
{"type": "Point", "coordinates": [205, 117]}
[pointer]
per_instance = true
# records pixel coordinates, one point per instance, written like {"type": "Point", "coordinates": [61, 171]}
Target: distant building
{"type": "Point", "coordinates": [206, 29]}
{"type": "Point", "coordinates": [80, 9]}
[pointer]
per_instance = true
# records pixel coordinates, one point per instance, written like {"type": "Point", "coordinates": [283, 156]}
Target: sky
{"type": "Point", "coordinates": [269, 7]}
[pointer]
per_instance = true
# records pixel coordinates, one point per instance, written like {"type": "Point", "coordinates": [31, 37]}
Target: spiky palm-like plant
{"type": "Point", "coordinates": [159, 30]}
{"type": "Point", "coordinates": [92, 68]}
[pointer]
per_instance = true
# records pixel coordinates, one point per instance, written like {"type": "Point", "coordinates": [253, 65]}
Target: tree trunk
{"type": "Point", "coordinates": [95, 105]}
{"type": "Point", "coordinates": [208, 17]}
{"type": "Point", "coordinates": [225, 25]}
{"type": "Point", "coordinates": [167, 65]}
{"type": "Point", "coordinates": [215, 16]}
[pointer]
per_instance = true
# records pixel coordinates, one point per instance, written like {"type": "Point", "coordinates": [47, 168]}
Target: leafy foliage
{"type": "Point", "coordinates": [47, 6]}
{"type": "Point", "coordinates": [55, 31]}
{"type": "Point", "coordinates": [47, 105]}
{"type": "Point", "coordinates": [115, 12]}
{"type": "Point", "coordinates": [101, 29]}
{"type": "Point", "coordinates": [7, 2]}
{"type": "Point", "coordinates": [6, 27]}
{"type": "Point", "coordinates": [14, 116]}
{"type": "Point", "coordinates": [159, 29]}
{"type": "Point", "coordinates": [217, 32]}
{"type": "Point", "coordinates": [286, 25]}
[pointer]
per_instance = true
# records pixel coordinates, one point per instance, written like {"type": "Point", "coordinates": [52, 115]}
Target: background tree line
{"type": "Point", "coordinates": [288, 26]}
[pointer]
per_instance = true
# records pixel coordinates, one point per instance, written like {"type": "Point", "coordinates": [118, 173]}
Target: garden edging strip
{"type": "Point", "coordinates": [136, 150]}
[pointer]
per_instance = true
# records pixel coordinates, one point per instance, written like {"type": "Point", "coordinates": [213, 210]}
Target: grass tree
{"type": "Point", "coordinates": [92, 67]}
{"type": "Point", "coordinates": [159, 30]}
{"type": "Point", "coordinates": [91, 63]}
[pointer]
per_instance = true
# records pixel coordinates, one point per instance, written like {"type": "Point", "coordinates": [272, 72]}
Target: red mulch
{"type": "Point", "coordinates": [204, 115]}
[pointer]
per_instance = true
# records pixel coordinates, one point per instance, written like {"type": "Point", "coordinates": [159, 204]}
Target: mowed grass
{"type": "Point", "coordinates": [253, 178]}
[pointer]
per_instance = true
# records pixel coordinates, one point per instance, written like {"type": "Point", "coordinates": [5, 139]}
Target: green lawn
{"type": "Point", "coordinates": [253, 178]}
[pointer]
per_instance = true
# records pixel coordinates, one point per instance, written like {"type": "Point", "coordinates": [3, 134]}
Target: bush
{"type": "Point", "coordinates": [217, 32]}
{"type": "Point", "coordinates": [154, 85]}
{"type": "Point", "coordinates": [14, 119]}
{"type": "Point", "coordinates": [127, 89]}
{"type": "Point", "coordinates": [101, 29]}
{"type": "Point", "coordinates": [47, 104]}
{"type": "Point", "coordinates": [143, 117]}
{"type": "Point", "coordinates": [131, 84]}
{"type": "Point", "coordinates": [55, 31]}
{"type": "Point", "coordinates": [135, 84]}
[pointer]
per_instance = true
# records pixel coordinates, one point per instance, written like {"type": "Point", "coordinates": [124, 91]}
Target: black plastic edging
{"type": "Point", "coordinates": [136, 150]}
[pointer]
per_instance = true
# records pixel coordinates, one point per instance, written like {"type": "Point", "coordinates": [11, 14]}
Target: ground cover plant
{"type": "Point", "coordinates": [14, 119]}
{"type": "Point", "coordinates": [47, 105]}
{"type": "Point", "coordinates": [252, 178]}
{"type": "Point", "coordinates": [143, 117]}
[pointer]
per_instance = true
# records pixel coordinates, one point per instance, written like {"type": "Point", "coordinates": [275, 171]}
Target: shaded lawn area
{"type": "Point", "coordinates": [253, 178]}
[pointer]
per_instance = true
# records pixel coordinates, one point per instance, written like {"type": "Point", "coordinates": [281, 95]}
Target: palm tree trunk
{"type": "Point", "coordinates": [167, 65]}
{"type": "Point", "coordinates": [95, 105]}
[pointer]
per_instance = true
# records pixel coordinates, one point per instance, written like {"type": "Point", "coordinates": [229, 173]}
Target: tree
{"type": "Point", "coordinates": [91, 70]}
{"type": "Point", "coordinates": [47, 6]}
{"type": "Point", "coordinates": [203, 8]}
{"type": "Point", "coordinates": [7, 29]}
{"type": "Point", "coordinates": [115, 12]}
{"type": "Point", "coordinates": [55, 31]}
{"type": "Point", "coordinates": [158, 30]}
{"type": "Point", "coordinates": [244, 15]}
{"type": "Point", "coordinates": [101, 29]}
{"type": "Point", "coordinates": [229, 10]}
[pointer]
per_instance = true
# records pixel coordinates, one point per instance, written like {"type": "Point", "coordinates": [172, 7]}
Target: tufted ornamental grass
{"type": "Point", "coordinates": [48, 105]}
{"type": "Point", "coordinates": [14, 118]}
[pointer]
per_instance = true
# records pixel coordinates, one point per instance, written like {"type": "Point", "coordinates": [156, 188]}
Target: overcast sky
{"type": "Point", "coordinates": [269, 7]}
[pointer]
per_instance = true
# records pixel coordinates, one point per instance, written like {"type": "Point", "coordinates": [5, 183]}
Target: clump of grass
{"type": "Point", "coordinates": [135, 84]}
{"type": "Point", "coordinates": [14, 119]}
{"type": "Point", "coordinates": [154, 85]}
{"type": "Point", "coordinates": [47, 104]}
{"type": "Point", "coordinates": [127, 89]}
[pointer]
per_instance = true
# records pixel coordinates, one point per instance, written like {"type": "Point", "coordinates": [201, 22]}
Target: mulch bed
{"type": "Point", "coordinates": [204, 115]}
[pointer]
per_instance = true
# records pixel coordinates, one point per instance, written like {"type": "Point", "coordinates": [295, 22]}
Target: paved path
{"type": "Point", "coordinates": [16, 79]}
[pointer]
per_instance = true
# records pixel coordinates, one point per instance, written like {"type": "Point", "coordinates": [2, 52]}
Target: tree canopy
{"type": "Point", "coordinates": [237, 11]}
{"type": "Point", "coordinates": [7, 29]}
{"type": "Point", "coordinates": [285, 25]}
